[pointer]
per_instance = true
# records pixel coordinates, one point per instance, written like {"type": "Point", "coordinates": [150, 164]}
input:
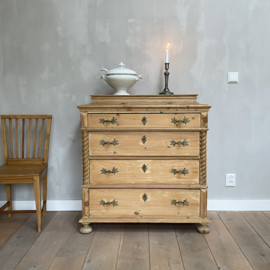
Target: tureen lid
{"type": "Point", "coordinates": [120, 70]}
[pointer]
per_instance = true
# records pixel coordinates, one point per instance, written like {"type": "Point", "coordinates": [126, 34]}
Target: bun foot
{"type": "Point", "coordinates": [86, 228]}
{"type": "Point", "coordinates": [203, 228]}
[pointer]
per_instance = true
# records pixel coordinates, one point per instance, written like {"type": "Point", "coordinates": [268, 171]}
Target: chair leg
{"type": "Point", "coordinates": [44, 195]}
{"type": "Point", "coordinates": [37, 198]}
{"type": "Point", "coordinates": [9, 198]}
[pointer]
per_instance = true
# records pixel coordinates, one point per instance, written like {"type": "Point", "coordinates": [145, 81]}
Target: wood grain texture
{"type": "Point", "coordinates": [4, 140]}
{"type": "Point", "coordinates": [203, 203]}
{"type": "Point", "coordinates": [104, 250]}
{"type": "Point", "coordinates": [135, 242]}
{"type": "Point", "coordinates": [194, 249]}
{"type": "Point", "coordinates": [85, 154]}
{"type": "Point", "coordinates": [144, 172]}
{"type": "Point", "coordinates": [23, 170]}
{"type": "Point", "coordinates": [158, 203]}
{"type": "Point", "coordinates": [133, 265]}
{"type": "Point", "coordinates": [9, 225]}
{"type": "Point", "coordinates": [29, 138]}
{"type": "Point", "coordinates": [134, 247]}
{"type": "Point", "coordinates": [267, 213]}
{"type": "Point", "coordinates": [135, 121]}
{"type": "Point", "coordinates": [9, 198]}
{"type": "Point", "coordinates": [26, 116]}
{"type": "Point", "coordinates": [13, 251]}
{"type": "Point", "coordinates": [35, 138]}
{"type": "Point", "coordinates": [260, 223]}
{"type": "Point", "coordinates": [226, 252]}
{"type": "Point", "coordinates": [144, 186]}
{"type": "Point", "coordinates": [251, 244]}
{"type": "Point", "coordinates": [85, 202]}
{"type": "Point", "coordinates": [157, 144]}
{"type": "Point", "coordinates": [130, 147]}
{"type": "Point", "coordinates": [144, 104]}
{"type": "Point", "coordinates": [43, 251]}
{"type": "Point", "coordinates": [143, 219]}
{"type": "Point", "coordinates": [10, 138]}
{"type": "Point", "coordinates": [74, 249]}
{"type": "Point", "coordinates": [164, 250]}
{"type": "Point", "coordinates": [203, 157]}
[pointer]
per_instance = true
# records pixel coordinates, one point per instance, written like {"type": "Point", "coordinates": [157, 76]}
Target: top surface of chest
{"type": "Point", "coordinates": [144, 111]}
{"type": "Point", "coordinates": [144, 103]}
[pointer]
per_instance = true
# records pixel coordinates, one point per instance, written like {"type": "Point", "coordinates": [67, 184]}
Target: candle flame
{"type": "Point", "coordinates": [168, 45]}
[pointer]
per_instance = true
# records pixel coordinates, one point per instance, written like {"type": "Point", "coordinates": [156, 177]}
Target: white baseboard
{"type": "Point", "coordinates": [238, 205]}
{"type": "Point", "coordinates": [213, 205]}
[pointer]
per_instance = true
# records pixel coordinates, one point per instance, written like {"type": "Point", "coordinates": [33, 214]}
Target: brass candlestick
{"type": "Point", "coordinates": [166, 90]}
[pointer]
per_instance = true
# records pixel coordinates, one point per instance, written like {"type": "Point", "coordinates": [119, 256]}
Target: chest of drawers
{"type": "Point", "coordinates": [144, 160]}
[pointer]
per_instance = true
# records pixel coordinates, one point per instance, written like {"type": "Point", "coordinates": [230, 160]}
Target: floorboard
{"type": "Point", "coordinates": [43, 251]}
{"type": "Point", "coordinates": [267, 213]}
{"type": "Point", "coordinates": [71, 255]}
{"type": "Point", "coordinates": [9, 225]}
{"type": "Point", "coordinates": [104, 249]}
{"type": "Point", "coordinates": [251, 244]}
{"type": "Point", "coordinates": [21, 241]}
{"type": "Point", "coordinates": [237, 241]}
{"type": "Point", "coordinates": [134, 247]}
{"type": "Point", "coordinates": [226, 252]}
{"type": "Point", "coordinates": [164, 250]}
{"type": "Point", "coordinates": [194, 249]}
{"type": "Point", "coordinates": [260, 223]}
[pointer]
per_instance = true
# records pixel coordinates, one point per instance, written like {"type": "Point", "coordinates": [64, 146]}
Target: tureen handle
{"type": "Point", "coordinates": [139, 77]}
{"type": "Point", "coordinates": [103, 77]}
{"type": "Point", "coordinates": [104, 69]}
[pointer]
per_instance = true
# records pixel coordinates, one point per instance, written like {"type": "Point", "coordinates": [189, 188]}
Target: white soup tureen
{"type": "Point", "coordinates": [120, 79]}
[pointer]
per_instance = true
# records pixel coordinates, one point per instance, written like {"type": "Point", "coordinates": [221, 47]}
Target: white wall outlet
{"type": "Point", "coordinates": [230, 180]}
{"type": "Point", "coordinates": [232, 77]}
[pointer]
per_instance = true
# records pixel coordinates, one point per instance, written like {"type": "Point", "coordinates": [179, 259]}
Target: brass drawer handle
{"type": "Point", "coordinates": [114, 171]}
{"type": "Point", "coordinates": [184, 120]}
{"type": "Point", "coordinates": [144, 120]}
{"type": "Point", "coordinates": [184, 202]}
{"type": "Point", "coordinates": [113, 202]}
{"type": "Point", "coordinates": [184, 142]}
{"type": "Point", "coordinates": [184, 171]}
{"type": "Point", "coordinates": [114, 142]}
{"type": "Point", "coordinates": [103, 121]}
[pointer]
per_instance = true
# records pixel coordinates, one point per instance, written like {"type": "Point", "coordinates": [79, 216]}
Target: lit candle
{"type": "Point", "coordinates": [167, 53]}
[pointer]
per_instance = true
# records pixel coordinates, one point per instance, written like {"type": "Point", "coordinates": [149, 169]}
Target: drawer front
{"type": "Point", "coordinates": [144, 202]}
{"type": "Point", "coordinates": [112, 121]}
{"type": "Point", "coordinates": [144, 172]}
{"type": "Point", "coordinates": [144, 144]}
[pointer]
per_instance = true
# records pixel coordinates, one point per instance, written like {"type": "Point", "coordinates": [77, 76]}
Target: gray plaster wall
{"type": "Point", "coordinates": [51, 53]}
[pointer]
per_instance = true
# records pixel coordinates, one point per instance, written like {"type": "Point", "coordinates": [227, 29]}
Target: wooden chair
{"type": "Point", "coordinates": [25, 155]}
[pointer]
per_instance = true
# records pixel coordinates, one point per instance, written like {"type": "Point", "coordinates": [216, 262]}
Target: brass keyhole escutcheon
{"type": "Point", "coordinates": [143, 139]}
{"type": "Point", "coordinates": [144, 168]}
{"type": "Point", "coordinates": [145, 197]}
{"type": "Point", "coordinates": [136, 213]}
{"type": "Point", "coordinates": [144, 120]}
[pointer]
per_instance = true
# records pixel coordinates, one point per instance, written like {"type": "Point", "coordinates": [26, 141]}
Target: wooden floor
{"type": "Point", "coordinates": [237, 240]}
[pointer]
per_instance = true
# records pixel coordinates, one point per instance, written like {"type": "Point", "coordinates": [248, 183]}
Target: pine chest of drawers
{"type": "Point", "coordinates": [144, 160]}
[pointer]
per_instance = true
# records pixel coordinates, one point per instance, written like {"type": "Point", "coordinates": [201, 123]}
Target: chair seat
{"type": "Point", "coordinates": [21, 170]}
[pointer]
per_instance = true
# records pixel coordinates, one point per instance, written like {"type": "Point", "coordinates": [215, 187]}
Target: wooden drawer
{"type": "Point", "coordinates": [130, 202]}
{"type": "Point", "coordinates": [143, 121]}
{"type": "Point", "coordinates": [143, 144]}
{"type": "Point", "coordinates": [144, 172]}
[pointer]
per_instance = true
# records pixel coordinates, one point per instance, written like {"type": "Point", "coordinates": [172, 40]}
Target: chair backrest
{"type": "Point", "coordinates": [26, 138]}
